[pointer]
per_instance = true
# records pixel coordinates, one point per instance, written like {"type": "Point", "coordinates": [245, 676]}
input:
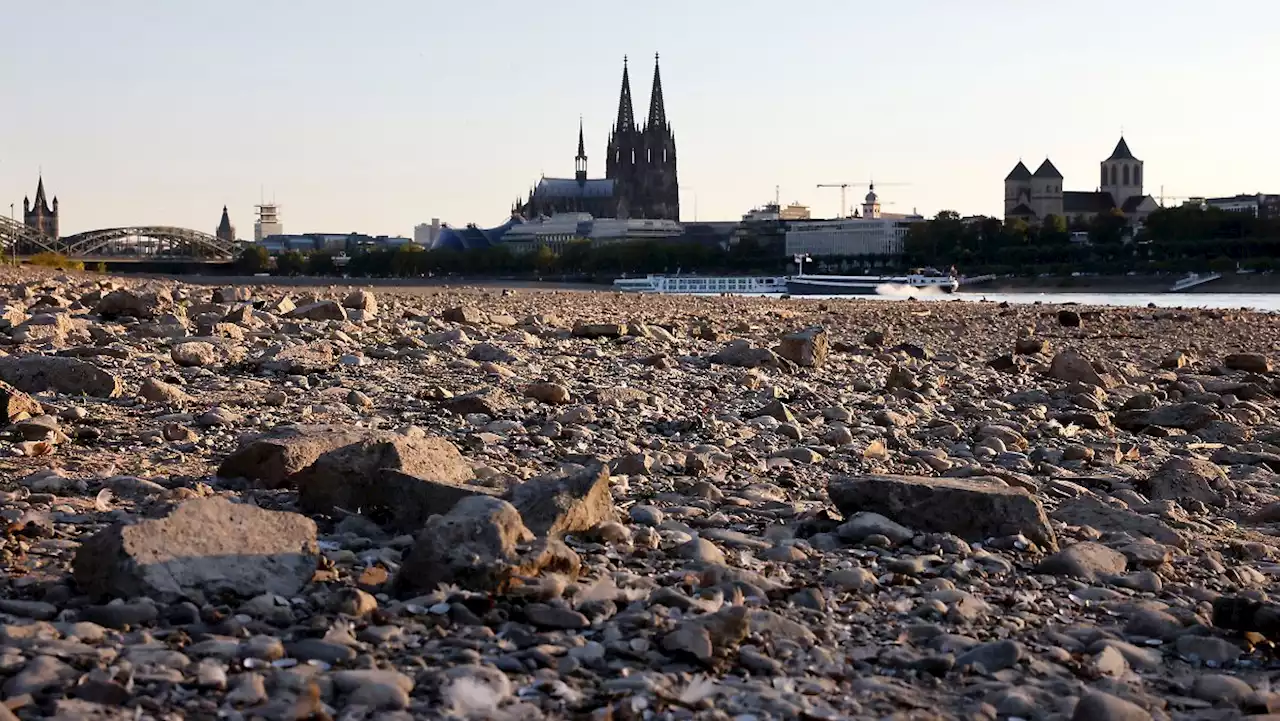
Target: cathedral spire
{"type": "Point", "coordinates": [40, 201]}
{"type": "Point", "coordinates": [580, 162]}
{"type": "Point", "coordinates": [626, 115]}
{"type": "Point", "coordinates": [657, 111]}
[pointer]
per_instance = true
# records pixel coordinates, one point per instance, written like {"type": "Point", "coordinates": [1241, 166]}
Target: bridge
{"type": "Point", "coordinates": [143, 242]}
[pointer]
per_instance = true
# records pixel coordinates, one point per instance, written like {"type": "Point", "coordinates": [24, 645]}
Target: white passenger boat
{"type": "Point", "coordinates": [870, 284]}
{"type": "Point", "coordinates": [703, 284]}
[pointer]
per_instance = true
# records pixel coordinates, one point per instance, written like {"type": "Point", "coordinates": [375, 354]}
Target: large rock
{"type": "Point", "coordinates": [320, 310]}
{"type": "Point", "coordinates": [479, 545]}
{"type": "Point", "coordinates": [39, 373]}
{"type": "Point", "coordinates": [204, 547]}
{"type": "Point", "coordinates": [806, 348]}
{"type": "Point", "coordinates": [1072, 367]}
{"type": "Point", "coordinates": [157, 391]}
{"type": "Point", "coordinates": [1187, 479]}
{"type": "Point", "coordinates": [361, 300]}
{"type": "Point", "coordinates": [970, 508]}
{"type": "Point", "coordinates": [273, 460]}
{"type": "Point", "coordinates": [124, 302]}
{"type": "Point", "coordinates": [17, 405]}
{"type": "Point", "coordinates": [464, 314]}
{"type": "Point", "coordinates": [1091, 512]}
{"type": "Point", "coordinates": [232, 294]}
{"type": "Point", "coordinates": [490, 401]}
{"type": "Point", "coordinates": [1189, 416]}
{"type": "Point", "coordinates": [599, 330]}
{"type": "Point", "coordinates": [194, 354]}
{"type": "Point", "coordinates": [742, 354]}
{"type": "Point", "coordinates": [353, 477]}
{"type": "Point", "coordinates": [1248, 362]}
{"type": "Point", "coordinates": [301, 359]}
{"type": "Point", "coordinates": [574, 499]}
{"type": "Point", "coordinates": [1087, 560]}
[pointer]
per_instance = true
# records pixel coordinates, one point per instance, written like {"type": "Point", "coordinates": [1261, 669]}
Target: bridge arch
{"type": "Point", "coordinates": [148, 241]}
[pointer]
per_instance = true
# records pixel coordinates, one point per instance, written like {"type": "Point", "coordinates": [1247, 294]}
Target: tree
{"type": "Point", "coordinates": [544, 260]}
{"type": "Point", "coordinates": [1108, 228]}
{"type": "Point", "coordinates": [254, 259]}
{"type": "Point", "coordinates": [409, 259]}
{"type": "Point", "coordinates": [291, 263]}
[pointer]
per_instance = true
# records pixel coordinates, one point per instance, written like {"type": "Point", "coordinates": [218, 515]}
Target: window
{"type": "Point", "coordinates": [1104, 175]}
{"type": "Point", "coordinates": [1126, 175]}
{"type": "Point", "coordinates": [1137, 175]}
{"type": "Point", "coordinates": [1113, 175]}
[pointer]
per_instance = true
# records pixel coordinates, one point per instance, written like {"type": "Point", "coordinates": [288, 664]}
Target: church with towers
{"type": "Point", "coordinates": [1035, 196]}
{"type": "Point", "coordinates": [640, 179]}
{"type": "Point", "coordinates": [40, 215]}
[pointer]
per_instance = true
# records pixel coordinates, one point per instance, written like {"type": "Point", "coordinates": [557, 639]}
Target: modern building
{"type": "Point", "coordinates": [640, 168]}
{"type": "Point", "coordinates": [562, 228]}
{"type": "Point", "coordinates": [794, 211]}
{"type": "Point", "coordinates": [1036, 196]}
{"type": "Point", "coordinates": [330, 242]}
{"type": "Point", "coordinates": [226, 231]}
{"type": "Point", "coordinates": [40, 216]}
{"type": "Point", "coordinates": [268, 222]}
{"type": "Point", "coordinates": [1261, 205]}
{"type": "Point", "coordinates": [874, 233]}
{"type": "Point", "coordinates": [425, 234]}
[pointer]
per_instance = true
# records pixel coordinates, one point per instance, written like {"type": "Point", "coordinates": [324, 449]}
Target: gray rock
{"type": "Point", "coordinates": [861, 525]}
{"type": "Point", "coordinates": [574, 499]}
{"type": "Point", "coordinates": [1091, 512]}
{"type": "Point", "coordinates": [1186, 479]}
{"type": "Point", "coordinates": [40, 373]}
{"type": "Point", "coordinates": [1086, 560]}
{"type": "Point", "coordinates": [1098, 706]}
{"type": "Point", "coordinates": [992, 657]}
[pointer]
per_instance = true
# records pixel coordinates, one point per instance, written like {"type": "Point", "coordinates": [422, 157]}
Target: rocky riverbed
{"type": "Point", "coordinates": [310, 503]}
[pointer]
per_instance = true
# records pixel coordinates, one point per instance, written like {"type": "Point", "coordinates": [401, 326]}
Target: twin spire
{"type": "Point", "coordinates": [626, 122]}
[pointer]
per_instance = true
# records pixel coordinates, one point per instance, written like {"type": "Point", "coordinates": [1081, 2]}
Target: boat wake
{"type": "Point", "coordinates": [899, 290]}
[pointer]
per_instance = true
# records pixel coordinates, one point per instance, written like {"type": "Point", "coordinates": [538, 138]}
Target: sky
{"type": "Point", "coordinates": [378, 115]}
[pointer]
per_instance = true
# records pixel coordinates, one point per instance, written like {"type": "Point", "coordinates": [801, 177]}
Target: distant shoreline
{"type": "Point", "coordinates": [1229, 283]}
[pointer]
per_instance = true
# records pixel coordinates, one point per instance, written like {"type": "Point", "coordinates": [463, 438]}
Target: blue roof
{"type": "Point", "coordinates": [471, 237]}
{"type": "Point", "coordinates": [571, 188]}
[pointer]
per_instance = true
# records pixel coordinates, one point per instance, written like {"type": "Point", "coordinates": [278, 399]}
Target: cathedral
{"type": "Point", "coordinates": [39, 216]}
{"type": "Point", "coordinates": [1035, 196]}
{"type": "Point", "coordinates": [226, 231]}
{"type": "Point", "coordinates": [640, 168]}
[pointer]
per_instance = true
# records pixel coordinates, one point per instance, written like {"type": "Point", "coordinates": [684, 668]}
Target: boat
{"type": "Point", "coordinates": [919, 280]}
{"type": "Point", "coordinates": [1192, 280]}
{"type": "Point", "coordinates": [703, 284]}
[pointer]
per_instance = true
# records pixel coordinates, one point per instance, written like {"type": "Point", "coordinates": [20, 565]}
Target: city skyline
{"type": "Point", "coordinates": [365, 119]}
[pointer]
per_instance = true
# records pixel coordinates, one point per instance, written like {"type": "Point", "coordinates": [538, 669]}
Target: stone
{"type": "Point", "coordinates": [157, 391]}
{"type": "Point", "coordinates": [1187, 479]}
{"type": "Point", "coordinates": [599, 330]}
{"type": "Point", "coordinates": [390, 477]}
{"type": "Point", "coordinates": [299, 359]}
{"type": "Point", "coordinates": [195, 354]}
{"type": "Point", "coordinates": [852, 579]}
{"type": "Point", "coordinates": [1220, 688]}
{"type": "Point", "coordinates": [992, 657]}
{"type": "Point", "coordinates": [861, 525]}
{"type": "Point", "coordinates": [1091, 512]}
{"type": "Point", "coordinates": [973, 509]}
{"type": "Point", "coordinates": [711, 636]}
{"type": "Point", "coordinates": [548, 616]}
{"type": "Point", "coordinates": [574, 499]}
{"type": "Point", "coordinates": [361, 300]}
{"type": "Point", "coordinates": [552, 393]}
{"type": "Point", "coordinates": [232, 294]}
{"type": "Point", "coordinates": [1068, 319]}
{"type": "Point", "coordinates": [1175, 360]}
{"type": "Point", "coordinates": [492, 353]}
{"type": "Point", "coordinates": [1189, 416]}
{"type": "Point", "coordinates": [475, 547]}
{"type": "Point", "coordinates": [1086, 560]}
{"type": "Point", "coordinates": [123, 302]}
{"type": "Point", "coordinates": [321, 310]}
{"type": "Point", "coordinates": [71, 376]}
{"type": "Point", "coordinates": [491, 402]}
{"type": "Point", "coordinates": [700, 550]}
{"type": "Point", "coordinates": [464, 314]}
{"type": "Point", "coordinates": [40, 674]}
{"type": "Point", "coordinates": [807, 348]}
{"type": "Point", "coordinates": [203, 546]}
{"type": "Point", "coordinates": [1248, 362]}
{"type": "Point", "coordinates": [18, 405]}
{"type": "Point", "coordinates": [741, 354]}
{"type": "Point", "coordinates": [1030, 346]}
{"type": "Point", "coordinates": [1207, 649]}
{"type": "Point", "coordinates": [1072, 367]}
{"type": "Point", "coordinates": [1099, 706]}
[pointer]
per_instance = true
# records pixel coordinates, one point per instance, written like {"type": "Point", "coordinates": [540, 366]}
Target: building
{"type": "Point", "coordinates": [874, 233]}
{"type": "Point", "coordinates": [226, 231]}
{"type": "Point", "coordinates": [330, 242]}
{"type": "Point", "coordinates": [268, 222]}
{"type": "Point", "coordinates": [562, 228]}
{"type": "Point", "coordinates": [795, 211]}
{"type": "Point", "coordinates": [640, 168]}
{"type": "Point", "coordinates": [40, 216]}
{"type": "Point", "coordinates": [425, 234]}
{"type": "Point", "coordinates": [1259, 205]}
{"type": "Point", "coordinates": [1035, 196]}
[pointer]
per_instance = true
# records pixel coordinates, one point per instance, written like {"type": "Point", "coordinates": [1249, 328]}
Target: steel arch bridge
{"type": "Point", "coordinates": [141, 242]}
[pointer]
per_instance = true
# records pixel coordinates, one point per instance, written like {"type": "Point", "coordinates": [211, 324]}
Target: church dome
{"type": "Point", "coordinates": [871, 194]}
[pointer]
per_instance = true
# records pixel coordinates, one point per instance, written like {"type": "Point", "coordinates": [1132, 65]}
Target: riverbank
{"type": "Point", "coordinates": [1229, 283]}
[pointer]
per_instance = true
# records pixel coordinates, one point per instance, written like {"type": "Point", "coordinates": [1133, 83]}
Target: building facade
{"type": "Point", "coordinates": [558, 230]}
{"type": "Point", "coordinates": [641, 179]}
{"type": "Point", "coordinates": [226, 231]}
{"type": "Point", "coordinates": [41, 216]}
{"type": "Point", "coordinates": [1259, 205]}
{"type": "Point", "coordinates": [268, 222]}
{"type": "Point", "coordinates": [1035, 196]}
{"type": "Point", "coordinates": [425, 234]}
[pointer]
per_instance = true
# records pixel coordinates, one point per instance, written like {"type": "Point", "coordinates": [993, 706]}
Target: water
{"type": "Point", "coordinates": [1254, 301]}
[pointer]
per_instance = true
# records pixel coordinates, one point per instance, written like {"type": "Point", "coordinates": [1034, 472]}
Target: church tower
{"type": "Point", "coordinates": [1017, 188]}
{"type": "Point", "coordinates": [1122, 174]}
{"type": "Point", "coordinates": [1046, 190]}
{"type": "Point", "coordinates": [580, 162]}
{"type": "Point", "coordinates": [39, 215]}
{"type": "Point", "coordinates": [620, 163]}
{"type": "Point", "coordinates": [661, 185]}
{"type": "Point", "coordinates": [226, 231]}
{"type": "Point", "coordinates": [871, 204]}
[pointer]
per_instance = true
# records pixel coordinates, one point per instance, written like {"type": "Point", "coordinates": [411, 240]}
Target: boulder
{"type": "Point", "coordinates": [1072, 367]}
{"type": "Point", "coordinates": [806, 348]}
{"type": "Point", "coordinates": [203, 547]}
{"type": "Point", "coordinates": [478, 545]}
{"type": "Point", "coordinates": [232, 294]}
{"type": "Point", "coordinates": [40, 373]}
{"type": "Point", "coordinates": [273, 460]}
{"type": "Point", "coordinates": [599, 330]}
{"type": "Point", "coordinates": [553, 393]}
{"type": "Point", "coordinates": [1187, 479]}
{"type": "Point", "coordinates": [1068, 319]}
{"type": "Point", "coordinates": [1030, 346]}
{"type": "Point", "coordinates": [156, 391]}
{"type": "Point", "coordinates": [973, 508]}
{"type": "Point", "coordinates": [17, 405]}
{"type": "Point", "coordinates": [301, 359]}
{"type": "Point", "coordinates": [320, 310]}
{"type": "Point", "coordinates": [361, 300]}
{"type": "Point", "coordinates": [1188, 416]}
{"type": "Point", "coordinates": [195, 354]}
{"type": "Point", "coordinates": [490, 401]}
{"type": "Point", "coordinates": [1248, 362]}
{"type": "Point", "coordinates": [742, 354]}
{"type": "Point", "coordinates": [574, 499]}
{"type": "Point", "coordinates": [1091, 512]}
{"type": "Point", "coordinates": [353, 477]}
{"type": "Point", "coordinates": [1087, 560]}
{"type": "Point", "coordinates": [464, 314]}
{"type": "Point", "coordinates": [124, 302]}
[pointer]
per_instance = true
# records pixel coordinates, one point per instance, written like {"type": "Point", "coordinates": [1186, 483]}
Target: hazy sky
{"type": "Point", "coordinates": [377, 115]}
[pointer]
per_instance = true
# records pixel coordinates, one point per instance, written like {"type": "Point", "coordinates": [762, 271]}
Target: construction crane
{"type": "Point", "coordinates": [844, 187]}
{"type": "Point", "coordinates": [1162, 197]}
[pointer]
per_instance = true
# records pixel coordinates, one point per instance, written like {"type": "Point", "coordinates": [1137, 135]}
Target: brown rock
{"type": "Point", "coordinates": [1248, 362]}
{"type": "Point", "coordinates": [971, 508]}
{"type": "Point", "coordinates": [464, 314]}
{"type": "Point", "coordinates": [1030, 346]}
{"type": "Point", "coordinates": [1072, 367]}
{"type": "Point", "coordinates": [274, 459]}
{"type": "Point", "coordinates": [490, 401]}
{"type": "Point", "coordinates": [322, 310]}
{"type": "Point", "coordinates": [301, 359]}
{"type": "Point", "coordinates": [1086, 560]}
{"type": "Point", "coordinates": [806, 348]}
{"type": "Point", "coordinates": [574, 499]}
{"type": "Point", "coordinates": [39, 373]}
{"type": "Point", "coordinates": [204, 546]}
{"type": "Point", "coordinates": [553, 393]}
{"type": "Point", "coordinates": [17, 405]}
{"type": "Point", "coordinates": [1091, 512]}
{"type": "Point", "coordinates": [599, 330]}
{"type": "Point", "coordinates": [1186, 479]}
{"type": "Point", "coordinates": [361, 300]}
{"type": "Point", "coordinates": [474, 546]}
{"type": "Point", "coordinates": [138, 305]}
